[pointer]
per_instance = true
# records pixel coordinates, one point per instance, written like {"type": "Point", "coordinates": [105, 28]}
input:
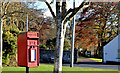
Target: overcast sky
{"type": "Point", "coordinates": [42, 5]}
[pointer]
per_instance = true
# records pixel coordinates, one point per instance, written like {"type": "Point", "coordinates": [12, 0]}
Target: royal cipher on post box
{"type": "Point", "coordinates": [28, 49]}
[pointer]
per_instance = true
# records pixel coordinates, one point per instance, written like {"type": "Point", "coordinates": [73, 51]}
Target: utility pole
{"type": "Point", "coordinates": [27, 24]}
{"type": "Point", "coordinates": [72, 44]}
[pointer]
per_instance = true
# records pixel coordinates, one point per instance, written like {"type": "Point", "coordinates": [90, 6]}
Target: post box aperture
{"type": "Point", "coordinates": [28, 49]}
{"type": "Point", "coordinates": [33, 55]}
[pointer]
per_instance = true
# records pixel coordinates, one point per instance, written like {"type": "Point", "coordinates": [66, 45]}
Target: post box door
{"type": "Point", "coordinates": [32, 58]}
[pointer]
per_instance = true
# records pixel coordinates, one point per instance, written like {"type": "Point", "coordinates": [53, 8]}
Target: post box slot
{"type": "Point", "coordinates": [32, 55]}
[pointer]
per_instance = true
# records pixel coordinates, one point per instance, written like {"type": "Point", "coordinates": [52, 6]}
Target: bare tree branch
{"type": "Point", "coordinates": [6, 13]}
{"type": "Point", "coordinates": [53, 14]}
{"type": "Point", "coordinates": [68, 12]}
{"type": "Point", "coordinates": [64, 9]}
{"type": "Point", "coordinates": [9, 14]}
{"type": "Point", "coordinates": [75, 11]}
{"type": "Point", "coordinates": [6, 7]}
{"type": "Point", "coordinates": [52, 2]}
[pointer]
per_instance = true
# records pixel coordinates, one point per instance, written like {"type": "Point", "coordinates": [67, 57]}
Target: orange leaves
{"type": "Point", "coordinates": [93, 22]}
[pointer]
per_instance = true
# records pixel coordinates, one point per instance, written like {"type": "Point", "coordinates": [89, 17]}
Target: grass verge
{"type": "Point", "coordinates": [44, 67]}
{"type": "Point", "coordinates": [96, 59]}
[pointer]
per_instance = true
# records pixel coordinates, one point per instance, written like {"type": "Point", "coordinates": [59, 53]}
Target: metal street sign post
{"type": "Point", "coordinates": [27, 68]}
{"type": "Point", "coordinates": [72, 44]}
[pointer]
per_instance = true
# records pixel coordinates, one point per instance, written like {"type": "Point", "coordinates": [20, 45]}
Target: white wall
{"type": "Point", "coordinates": [111, 50]}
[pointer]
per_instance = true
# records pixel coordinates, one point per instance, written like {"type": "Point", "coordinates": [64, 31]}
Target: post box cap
{"type": "Point", "coordinates": [32, 34]}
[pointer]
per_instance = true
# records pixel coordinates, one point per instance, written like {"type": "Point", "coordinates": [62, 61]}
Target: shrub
{"type": "Point", "coordinates": [10, 33]}
{"type": "Point", "coordinates": [43, 46]}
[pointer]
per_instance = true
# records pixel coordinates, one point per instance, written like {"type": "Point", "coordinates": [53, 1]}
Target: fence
{"type": "Point", "coordinates": [48, 56]}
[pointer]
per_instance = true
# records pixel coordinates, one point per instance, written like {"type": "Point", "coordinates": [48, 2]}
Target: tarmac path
{"type": "Point", "coordinates": [85, 62]}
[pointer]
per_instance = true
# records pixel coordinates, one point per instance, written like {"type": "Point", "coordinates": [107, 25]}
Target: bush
{"type": "Point", "coordinates": [43, 46]}
{"type": "Point", "coordinates": [10, 33]}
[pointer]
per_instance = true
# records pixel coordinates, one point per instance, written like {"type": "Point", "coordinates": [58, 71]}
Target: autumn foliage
{"type": "Point", "coordinates": [97, 25]}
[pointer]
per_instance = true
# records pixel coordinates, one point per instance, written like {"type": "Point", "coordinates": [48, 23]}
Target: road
{"type": "Point", "coordinates": [98, 66]}
{"type": "Point", "coordinates": [85, 62]}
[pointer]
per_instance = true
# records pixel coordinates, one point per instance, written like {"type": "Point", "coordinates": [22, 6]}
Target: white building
{"type": "Point", "coordinates": [111, 51]}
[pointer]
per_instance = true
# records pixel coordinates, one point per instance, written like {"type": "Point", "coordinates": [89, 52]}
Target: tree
{"type": "Point", "coordinates": [97, 25]}
{"type": "Point", "coordinates": [62, 19]}
{"type": "Point", "coordinates": [106, 24]}
{"type": "Point", "coordinates": [10, 32]}
{"type": "Point", "coordinates": [4, 7]}
{"type": "Point", "coordinates": [13, 17]}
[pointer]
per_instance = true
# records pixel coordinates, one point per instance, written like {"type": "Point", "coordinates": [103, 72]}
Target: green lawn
{"type": "Point", "coordinates": [96, 59]}
{"type": "Point", "coordinates": [49, 68]}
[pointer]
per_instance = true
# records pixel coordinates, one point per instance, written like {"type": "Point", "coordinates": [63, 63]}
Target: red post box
{"type": "Point", "coordinates": [28, 49]}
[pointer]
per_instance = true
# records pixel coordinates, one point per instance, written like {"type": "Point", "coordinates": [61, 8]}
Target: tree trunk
{"type": "Point", "coordinates": [0, 44]}
{"type": "Point", "coordinates": [1, 39]}
{"type": "Point", "coordinates": [59, 41]}
{"type": "Point", "coordinates": [98, 48]}
{"type": "Point", "coordinates": [4, 8]}
{"type": "Point", "coordinates": [62, 19]}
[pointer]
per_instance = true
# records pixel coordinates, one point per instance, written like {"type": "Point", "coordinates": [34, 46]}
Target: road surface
{"type": "Point", "coordinates": [85, 62]}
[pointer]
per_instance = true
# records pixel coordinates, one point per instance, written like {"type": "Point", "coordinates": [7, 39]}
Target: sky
{"type": "Point", "coordinates": [42, 5]}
